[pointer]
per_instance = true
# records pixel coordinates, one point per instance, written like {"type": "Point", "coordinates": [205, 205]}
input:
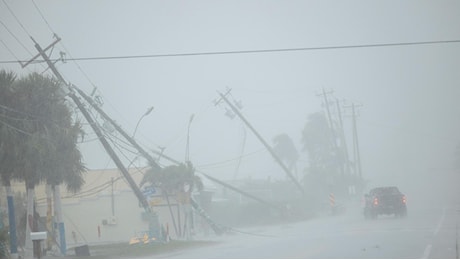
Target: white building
{"type": "Point", "coordinates": [106, 209]}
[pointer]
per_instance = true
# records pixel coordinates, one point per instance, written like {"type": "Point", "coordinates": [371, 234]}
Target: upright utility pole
{"type": "Point", "coordinates": [331, 124]}
{"type": "Point", "coordinates": [268, 147]}
{"type": "Point", "coordinates": [356, 143]}
{"type": "Point", "coordinates": [356, 153]}
{"type": "Point", "coordinates": [342, 137]}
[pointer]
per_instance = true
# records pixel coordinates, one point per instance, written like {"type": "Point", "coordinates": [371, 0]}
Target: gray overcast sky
{"type": "Point", "coordinates": [409, 120]}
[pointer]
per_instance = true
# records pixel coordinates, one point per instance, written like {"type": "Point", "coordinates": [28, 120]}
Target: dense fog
{"type": "Point", "coordinates": [397, 63]}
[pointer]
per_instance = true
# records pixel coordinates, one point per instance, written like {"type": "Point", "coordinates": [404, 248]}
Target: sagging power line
{"type": "Point", "coordinates": [146, 56]}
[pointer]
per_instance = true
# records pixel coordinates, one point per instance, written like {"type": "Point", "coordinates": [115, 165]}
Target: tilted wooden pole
{"type": "Point", "coordinates": [272, 153]}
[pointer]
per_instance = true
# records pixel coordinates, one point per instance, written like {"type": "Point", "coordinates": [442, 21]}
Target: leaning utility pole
{"type": "Point", "coordinates": [216, 227]}
{"type": "Point", "coordinates": [268, 147]}
{"type": "Point", "coordinates": [129, 138]}
{"type": "Point", "coordinates": [326, 103]}
{"type": "Point", "coordinates": [152, 223]}
{"type": "Point", "coordinates": [227, 185]}
{"type": "Point", "coordinates": [96, 129]}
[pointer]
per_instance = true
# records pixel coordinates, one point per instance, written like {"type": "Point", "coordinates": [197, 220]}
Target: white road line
{"type": "Point", "coordinates": [426, 252]}
{"type": "Point", "coordinates": [438, 227]}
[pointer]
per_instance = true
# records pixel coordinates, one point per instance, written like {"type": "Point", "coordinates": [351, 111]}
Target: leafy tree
{"type": "Point", "coordinates": [318, 143]}
{"type": "Point", "coordinates": [286, 150]}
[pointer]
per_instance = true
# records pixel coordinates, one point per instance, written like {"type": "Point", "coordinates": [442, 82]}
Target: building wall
{"type": "Point", "coordinates": [91, 219]}
{"type": "Point", "coordinates": [87, 214]}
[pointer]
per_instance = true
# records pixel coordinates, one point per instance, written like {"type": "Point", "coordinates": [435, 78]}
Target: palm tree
{"type": "Point", "coordinates": [10, 141]}
{"type": "Point", "coordinates": [174, 179]}
{"type": "Point", "coordinates": [49, 153]}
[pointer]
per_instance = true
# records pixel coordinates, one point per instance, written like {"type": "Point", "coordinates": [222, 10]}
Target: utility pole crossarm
{"type": "Point", "coordinates": [39, 54]}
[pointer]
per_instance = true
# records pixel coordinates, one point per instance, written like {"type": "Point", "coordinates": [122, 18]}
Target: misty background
{"type": "Point", "coordinates": [409, 117]}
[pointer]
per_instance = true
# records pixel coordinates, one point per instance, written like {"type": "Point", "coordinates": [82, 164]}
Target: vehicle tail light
{"type": "Point", "coordinates": [376, 201]}
{"type": "Point", "coordinates": [404, 199]}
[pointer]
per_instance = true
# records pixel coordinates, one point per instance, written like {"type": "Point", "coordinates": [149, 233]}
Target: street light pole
{"type": "Point", "coordinates": [188, 209]}
{"type": "Point", "coordinates": [140, 119]}
{"type": "Point", "coordinates": [187, 147]}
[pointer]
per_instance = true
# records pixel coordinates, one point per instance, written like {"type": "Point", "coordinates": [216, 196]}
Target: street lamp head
{"type": "Point", "coordinates": [148, 111]}
{"type": "Point", "coordinates": [140, 119]}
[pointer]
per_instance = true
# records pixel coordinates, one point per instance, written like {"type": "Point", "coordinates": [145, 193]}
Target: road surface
{"type": "Point", "coordinates": [427, 232]}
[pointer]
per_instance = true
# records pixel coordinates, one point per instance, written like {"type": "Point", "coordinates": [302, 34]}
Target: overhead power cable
{"type": "Point", "coordinates": [252, 51]}
{"type": "Point", "coordinates": [208, 165]}
{"type": "Point", "coordinates": [17, 19]}
{"type": "Point", "coordinates": [9, 50]}
{"type": "Point", "coordinates": [16, 38]}
{"type": "Point", "coordinates": [43, 17]}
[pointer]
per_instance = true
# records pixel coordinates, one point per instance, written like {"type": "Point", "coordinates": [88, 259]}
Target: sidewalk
{"type": "Point", "coordinates": [124, 250]}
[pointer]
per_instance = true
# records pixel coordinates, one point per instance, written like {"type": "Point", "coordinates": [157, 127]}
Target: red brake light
{"type": "Point", "coordinates": [376, 201]}
{"type": "Point", "coordinates": [404, 199]}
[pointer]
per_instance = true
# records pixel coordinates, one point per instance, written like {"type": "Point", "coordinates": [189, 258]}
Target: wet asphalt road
{"type": "Point", "coordinates": [427, 232]}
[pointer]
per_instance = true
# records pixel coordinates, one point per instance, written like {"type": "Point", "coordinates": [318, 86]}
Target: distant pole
{"type": "Point", "coordinates": [326, 101]}
{"type": "Point", "coordinates": [342, 137]}
{"type": "Point", "coordinates": [356, 142]}
{"type": "Point", "coordinates": [331, 126]}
